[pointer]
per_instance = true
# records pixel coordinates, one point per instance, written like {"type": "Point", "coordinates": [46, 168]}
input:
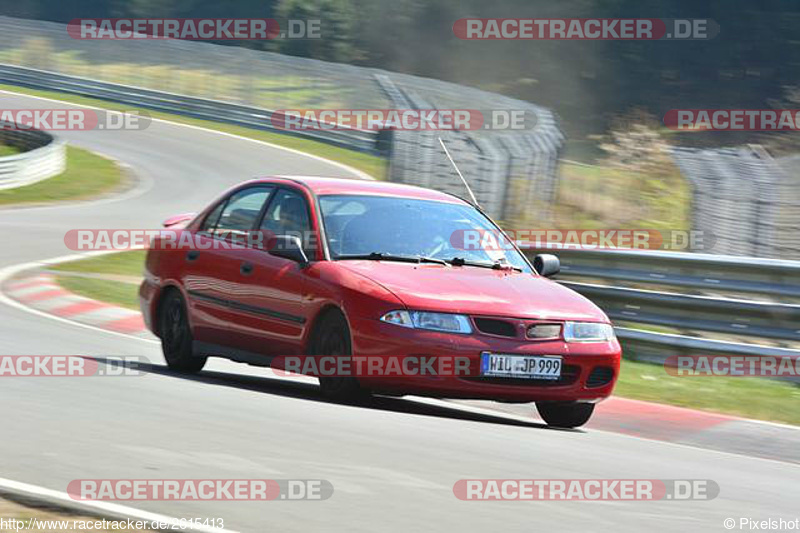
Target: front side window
{"type": "Point", "coordinates": [287, 214]}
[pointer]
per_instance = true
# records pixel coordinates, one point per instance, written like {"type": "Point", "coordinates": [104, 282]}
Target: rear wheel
{"type": "Point", "coordinates": [333, 339]}
{"type": "Point", "coordinates": [176, 335]}
{"type": "Point", "coordinates": [565, 414]}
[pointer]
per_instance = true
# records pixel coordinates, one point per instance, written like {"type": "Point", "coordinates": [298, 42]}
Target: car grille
{"type": "Point", "coordinates": [601, 375]}
{"type": "Point", "coordinates": [493, 326]}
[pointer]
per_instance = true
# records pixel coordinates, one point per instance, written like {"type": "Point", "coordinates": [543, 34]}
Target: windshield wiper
{"type": "Point", "coordinates": [380, 256]}
{"type": "Point", "coordinates": [497, 265]}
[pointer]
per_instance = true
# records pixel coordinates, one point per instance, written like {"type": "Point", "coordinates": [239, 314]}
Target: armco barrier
{"type": "Point", "coordinates": [42, 157]}
{"type": "Point", "coordinates": [771, 277]}
{"type": "Point", "coordinates": [720, 309]}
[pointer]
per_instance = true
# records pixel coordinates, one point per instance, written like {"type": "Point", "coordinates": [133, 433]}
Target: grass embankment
{"type": "Point", "coordinates": [112, 278]}
{"type": "Point", "coordinates": [749, 397]}
{"type": "Point", "coordinates": [600, 197]}
{"type": "Point", "coordinates": [86, 175]}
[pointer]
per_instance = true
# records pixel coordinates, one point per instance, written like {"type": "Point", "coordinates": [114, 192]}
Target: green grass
{"type": "Point", "coordinates": [371, 164]}
{"type": "Point", "coordinates": [6, 150]}
{"type": "Point", "coordinates": [123, 264]}
{"type": "Point", "coordinates": [114, 292]}
{"type": "Point", "coordinates": [595, 196]}
{"type": "Point", "coordinates": [86, 175]}
{"type": "Point", "coordinates": [750, 397]}
{"type": "Point", "coordinates": [107, 290]}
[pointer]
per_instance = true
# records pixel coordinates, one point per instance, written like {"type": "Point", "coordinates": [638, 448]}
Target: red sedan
{"type": "Point", "coordinates": [357, 269]}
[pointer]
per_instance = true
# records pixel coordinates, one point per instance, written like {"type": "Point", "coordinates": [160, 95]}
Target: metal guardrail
{"type": "Point", "coordinates": [218, 111]}
{"type": "Point", "coordinates": [42, 157]}
{"type": "Point", "coordinates": [772, 277]}
{"type": "Point", "coordinates": [758, 319]}
{"type": "Point", "coordinates": [690, 312]}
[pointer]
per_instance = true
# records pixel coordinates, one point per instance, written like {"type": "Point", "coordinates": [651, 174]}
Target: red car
{"type": "Point", "coordinates": [379, 270]}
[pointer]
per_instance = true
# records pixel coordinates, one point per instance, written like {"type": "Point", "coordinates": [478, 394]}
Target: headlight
{"type": "Point", "coordinates": [588, 332]}
{"type": "Point", "coordinates": [433, 321]}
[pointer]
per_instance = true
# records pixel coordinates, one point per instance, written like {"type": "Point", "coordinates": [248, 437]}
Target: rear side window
{"type": "Point", "coordinates": [239, 213]}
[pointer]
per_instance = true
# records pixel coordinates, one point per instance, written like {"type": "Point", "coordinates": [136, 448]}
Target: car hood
{"type": "Point", "coordinates": [477, 291]}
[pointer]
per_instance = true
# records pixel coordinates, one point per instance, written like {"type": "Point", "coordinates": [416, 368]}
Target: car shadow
{"type": "Point", "coordinates": [311, 392]}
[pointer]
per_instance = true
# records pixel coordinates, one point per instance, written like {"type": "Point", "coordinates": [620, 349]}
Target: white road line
{"type": "Point", "coordinates": [111, 510]}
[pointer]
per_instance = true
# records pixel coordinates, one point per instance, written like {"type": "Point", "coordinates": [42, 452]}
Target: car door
{"type": "Point", "coordinates": [273, 310]}
{"type": "Point", "coordinates": [213, 275]}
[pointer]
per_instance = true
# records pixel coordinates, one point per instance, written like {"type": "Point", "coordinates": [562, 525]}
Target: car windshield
{"type": "Point", "coordinates": [390, 227]}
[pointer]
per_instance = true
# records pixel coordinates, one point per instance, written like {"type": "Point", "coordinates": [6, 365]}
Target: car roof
{"type": "Point", "coordinates": [322, 186]}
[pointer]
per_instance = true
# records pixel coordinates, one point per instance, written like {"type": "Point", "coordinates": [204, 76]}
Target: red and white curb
{"type": "Point", "coordinates": [43, 293]}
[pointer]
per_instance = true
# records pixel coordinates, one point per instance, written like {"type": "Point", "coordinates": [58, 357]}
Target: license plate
{"type": "Point", "coordinates": [520, 366]}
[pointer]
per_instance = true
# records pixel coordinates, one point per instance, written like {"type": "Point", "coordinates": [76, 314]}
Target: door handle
{"type": "Point", "coordinates": [246, 269]}
{"type": "Point", "coordinates": [192, 255]}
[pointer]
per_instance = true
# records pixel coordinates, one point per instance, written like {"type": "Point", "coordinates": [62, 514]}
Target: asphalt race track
{"type": "Point", "coordinates": [392, 464]}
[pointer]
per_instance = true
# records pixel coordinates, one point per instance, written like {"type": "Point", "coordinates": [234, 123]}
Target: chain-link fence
{"type": "Point", "coordinates": [744, 199]}
{"type": "Point", "coordinates": [228, 73]}
{"type": "Point", "coordinates": [513, 172]}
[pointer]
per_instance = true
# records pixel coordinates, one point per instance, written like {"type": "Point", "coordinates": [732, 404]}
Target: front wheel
{"type": "Point", "coordinates": [176, 335]}
{"type": "Point", "coordinates": [333, 340]}
{"type": "Point", "coordinates": [565, 414]}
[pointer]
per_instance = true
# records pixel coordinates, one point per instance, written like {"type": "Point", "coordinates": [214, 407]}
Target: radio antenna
{"type": "Point", "coordinates": [469, 190]}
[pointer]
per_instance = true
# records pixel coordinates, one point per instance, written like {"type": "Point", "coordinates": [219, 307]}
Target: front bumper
{"type": "Point", "coordinates": [581, 378]}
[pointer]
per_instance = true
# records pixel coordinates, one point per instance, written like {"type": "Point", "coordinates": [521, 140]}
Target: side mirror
{"type": "Point", "coordinates": [546, 265]}
{"type": "Point", "coordinates": [288, 247]}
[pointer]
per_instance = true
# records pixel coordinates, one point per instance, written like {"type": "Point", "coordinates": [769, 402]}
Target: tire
{"type": "Point", "coordinates": [565, 414]}
{"type": "Point", "coordinates": [176, 335]}
{"type": "Point", "coordinates": [333, 339]}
